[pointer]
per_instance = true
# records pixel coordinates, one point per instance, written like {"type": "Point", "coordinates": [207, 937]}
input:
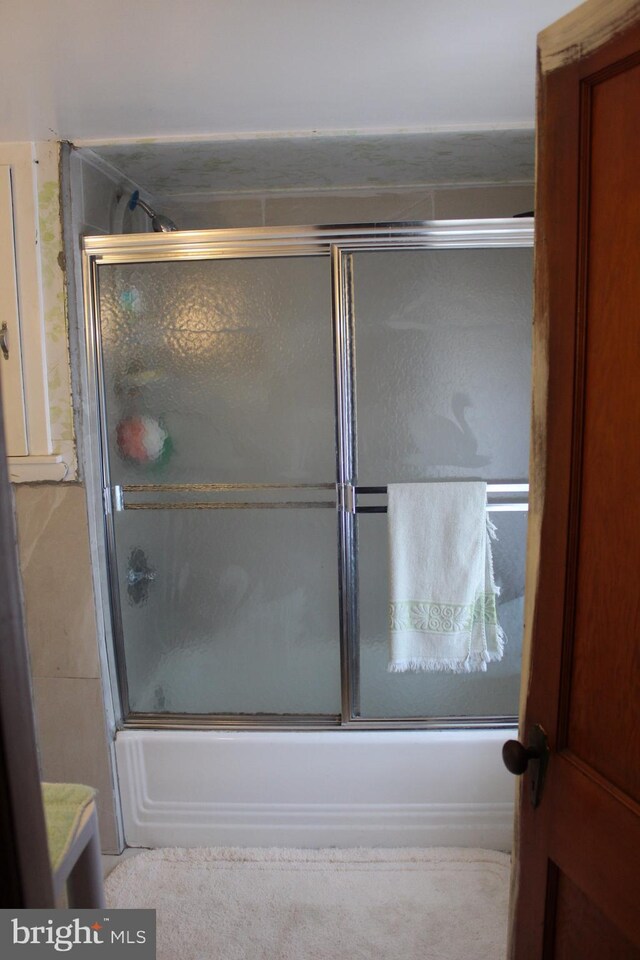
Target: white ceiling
{"type": "Point", "coordinates": [102, 70]}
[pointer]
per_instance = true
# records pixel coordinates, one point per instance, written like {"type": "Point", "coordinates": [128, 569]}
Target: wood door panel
{"type": "Point", "coordinates": [580, 929]}
{"type": "Point", "coordinates": [605, 666]}
{"type": "Point", "coordinates": [577, 863]}
{"type": "Point", "coordinates": [604, 855]}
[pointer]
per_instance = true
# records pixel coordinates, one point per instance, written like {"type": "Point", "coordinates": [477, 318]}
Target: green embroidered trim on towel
{"type": "Point", "coordinates": [485, 608]}
{"type": "Point", "coordinates": [430, 617]}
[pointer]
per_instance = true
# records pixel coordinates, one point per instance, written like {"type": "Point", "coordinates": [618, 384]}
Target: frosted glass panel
{"type": "Point", "coordinates": [219, 371]}
{"type": "Point", "coordinates": [494, 693]}
{"type": "Point", "coordinates": [230, 611]}
{"type": "Point", "coordinates": [443, 348]}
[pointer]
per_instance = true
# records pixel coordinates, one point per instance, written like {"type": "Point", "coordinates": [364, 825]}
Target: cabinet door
{"type": "Point", "coordinates": [10, 357]}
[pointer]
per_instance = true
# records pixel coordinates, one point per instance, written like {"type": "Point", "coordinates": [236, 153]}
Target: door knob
{"type": "Point", "coordinates": [517, 757]}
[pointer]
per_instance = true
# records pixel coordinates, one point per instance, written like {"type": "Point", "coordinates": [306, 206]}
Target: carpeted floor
{"type": "Point", "coordinates": [242, 904]}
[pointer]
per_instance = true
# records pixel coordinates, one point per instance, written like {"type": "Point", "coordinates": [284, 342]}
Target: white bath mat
{"type": "Point", "coordinates": [278, 904]}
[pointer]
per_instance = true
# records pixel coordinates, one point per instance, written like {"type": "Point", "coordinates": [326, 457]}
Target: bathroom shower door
{"type": "Point", "coordinates": [253, 388]}
{"type": "Point", "coordinates": [219, 454]}
{"type": "Point", "coordinates": [443, 348]}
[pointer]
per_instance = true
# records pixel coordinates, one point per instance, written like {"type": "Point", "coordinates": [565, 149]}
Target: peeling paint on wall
{"type": "Point", "coordinates": [54, 305]}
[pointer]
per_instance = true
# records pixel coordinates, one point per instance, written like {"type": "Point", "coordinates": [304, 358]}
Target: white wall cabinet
{"type": "Point", "coordinates": [23, 345]}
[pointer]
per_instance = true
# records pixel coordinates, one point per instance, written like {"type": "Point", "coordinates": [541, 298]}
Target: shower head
{"type": "Point", "coordinates": [159, 222]}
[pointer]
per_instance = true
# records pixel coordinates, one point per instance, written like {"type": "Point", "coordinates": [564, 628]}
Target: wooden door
{"type": "Point", "coordinates": [577, 872]}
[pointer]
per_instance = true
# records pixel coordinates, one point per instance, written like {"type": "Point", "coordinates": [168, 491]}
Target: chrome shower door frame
{"type": "Point", "coordinates": [338, 243]}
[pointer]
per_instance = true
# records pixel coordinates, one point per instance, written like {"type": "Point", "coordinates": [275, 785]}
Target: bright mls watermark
{"type": "Point", "coordinates": [78, 933]}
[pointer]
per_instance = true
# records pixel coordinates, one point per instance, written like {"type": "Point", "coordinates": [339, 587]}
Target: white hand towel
{"type": "Point", "coordinates": [442, 610]}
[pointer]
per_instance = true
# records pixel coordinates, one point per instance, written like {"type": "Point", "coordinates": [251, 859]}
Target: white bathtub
{"type": "Point", "coordinates": [315, 789]}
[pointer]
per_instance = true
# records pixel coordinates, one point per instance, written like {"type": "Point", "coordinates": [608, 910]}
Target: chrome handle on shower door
{"type": "Point", "coordinates": [140, 575]}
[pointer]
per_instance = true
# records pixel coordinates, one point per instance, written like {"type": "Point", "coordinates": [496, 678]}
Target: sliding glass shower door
{"type": "Point", "coordinates": [443, 348]}
{"type": "Point", "coordinates": [220, 432]}
{"type": "Point", "coordinates": [256, 393]}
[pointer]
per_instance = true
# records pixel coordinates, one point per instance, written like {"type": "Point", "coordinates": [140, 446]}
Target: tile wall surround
{"type": "Point", "coordinates": [278, 209]}
{"type": "Point", "coordinates": [60, 623]}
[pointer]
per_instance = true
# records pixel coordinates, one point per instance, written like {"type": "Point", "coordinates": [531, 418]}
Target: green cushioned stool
{"type": "Point", "coordinates": [74, 843]}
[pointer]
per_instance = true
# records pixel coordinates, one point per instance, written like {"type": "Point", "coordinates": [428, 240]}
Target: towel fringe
{"type": "Point", "coordinates": [493, 535]}
{"type": "Point", "coordinates": [501, 639]}
{"type": "Point", "coordinates": [475, 663]}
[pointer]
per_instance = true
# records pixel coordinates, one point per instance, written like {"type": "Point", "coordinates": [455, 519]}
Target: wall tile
{"type": "Point", "coordinates": [98, 198]}
{"type": "Point", "coordinates": [349, 208]}
{"type": "Point", "coordinates": [467, 203]}
{"type": "Point", "coordinates": [56, 570]}
{"type": "Point", "coordinates": [279, 209]}
{"type": "Point", "coordinates": [73, 745]}
{"type": "Point", "coordinates": [208, 213]}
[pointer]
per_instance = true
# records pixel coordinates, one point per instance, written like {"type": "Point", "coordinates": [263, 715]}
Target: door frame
{"type": "Point", "coordinates": [338, 244]}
